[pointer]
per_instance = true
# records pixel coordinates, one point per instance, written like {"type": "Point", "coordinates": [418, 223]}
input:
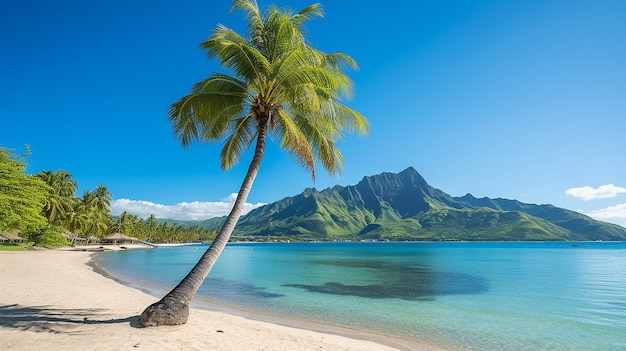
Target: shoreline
{"type": "Point", "coordinates": [214, 306]}
{"type": "Point", "coordinates": [55, 297]}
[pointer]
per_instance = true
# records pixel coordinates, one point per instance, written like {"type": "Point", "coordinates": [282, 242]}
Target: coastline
{"type": "Point", "coordinates": [56, 298]}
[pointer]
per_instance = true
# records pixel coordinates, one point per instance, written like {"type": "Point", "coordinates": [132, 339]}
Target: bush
{"type": "Point", "coordinates": [48, 236]}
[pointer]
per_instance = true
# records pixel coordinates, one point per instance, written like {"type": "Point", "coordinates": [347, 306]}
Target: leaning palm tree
{"type": "Point", "coordinates": [282, 88]}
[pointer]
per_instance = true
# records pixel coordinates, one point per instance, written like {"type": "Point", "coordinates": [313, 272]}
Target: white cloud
{"type": "Point", "coordinates": [602, 192]}
{"type": "Point", "coordinates": [613, 214]}
{"type": "Point", "coordinates": [617, 211]}
{"type": "Point", "coordinates": [186, 211]}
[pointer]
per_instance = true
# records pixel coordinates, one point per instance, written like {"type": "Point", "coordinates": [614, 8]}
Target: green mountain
{"type": "Point", "coordinates": [404, 207]}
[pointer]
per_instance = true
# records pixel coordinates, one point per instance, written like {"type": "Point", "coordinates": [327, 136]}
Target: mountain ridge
{"type": "Point", "coordinates": [403, 206]}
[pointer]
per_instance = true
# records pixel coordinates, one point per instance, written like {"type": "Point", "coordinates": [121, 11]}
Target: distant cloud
{"type": "Point", "coordinates": [186, 211]}
{"type": "Point", "coordinates": [614, 214]}
{"type": "Point", "coordinates": [602, 192]}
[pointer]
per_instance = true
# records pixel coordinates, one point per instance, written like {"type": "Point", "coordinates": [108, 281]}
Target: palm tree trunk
{"type": "Point", "coordinates": [173, 308]}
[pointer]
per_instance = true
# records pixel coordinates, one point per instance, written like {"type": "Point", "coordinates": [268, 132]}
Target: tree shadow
{"type": "Point", "coordinates": [49, 319]}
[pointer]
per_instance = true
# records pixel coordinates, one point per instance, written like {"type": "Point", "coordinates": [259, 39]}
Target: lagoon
{"type": "Point", "coordinates": [473, 295]}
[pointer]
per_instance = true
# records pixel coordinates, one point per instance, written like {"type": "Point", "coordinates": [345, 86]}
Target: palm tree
{"type": "Point", "coordinates": [76, 223]}
{"type": "Point", "coordinates": [101, 214]}
{"type": "Point", "coordinates": [102, 199]}
{"type": "Point", "coordinates": [65, 183]}
{"type": "Point", "coordinates": [60, 196]}
{"type": "Point", "coordinates": [91, 212]}
{"type": "Point", "coordinates": [123, 223]}
{"type": "Point", "coordinates": [281, 87]}
{"type": "Point", "coordinates": [151, 227]}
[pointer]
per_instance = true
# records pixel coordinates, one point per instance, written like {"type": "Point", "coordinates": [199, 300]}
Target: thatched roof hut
{"type": "Point", "coordinates": [118, 238]}
{"type": "Point", "coordinates": [92, 240]}
{"type": "Point", "coordinates": [74, 239]}
{"type": "Point", "coordinates": [11, 239]}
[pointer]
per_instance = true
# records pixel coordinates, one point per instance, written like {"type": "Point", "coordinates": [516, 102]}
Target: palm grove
{"type": "Point", "coordinates": [44, 209]}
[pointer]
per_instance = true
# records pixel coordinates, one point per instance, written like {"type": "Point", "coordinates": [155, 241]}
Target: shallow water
{"type": "Point", "coordinates": [480, 296]}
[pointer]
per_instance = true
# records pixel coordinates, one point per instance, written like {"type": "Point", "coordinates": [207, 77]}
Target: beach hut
{"type": "Point", "coordinates": [118, 238]}
{"type": "Point", "coordinates": [12, 239]}
{"type": "Point", "coordinates": [74, 239]}
{"type": "Point", "coordinates": [92, 240]}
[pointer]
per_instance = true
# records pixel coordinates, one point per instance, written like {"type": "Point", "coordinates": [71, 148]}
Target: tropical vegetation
{"type": "Point", "coordinates": [276, 86]}
{"type": "Point", "coordinates": [22, 196]}
{"type": "Point", "coordinates": [44, 209]}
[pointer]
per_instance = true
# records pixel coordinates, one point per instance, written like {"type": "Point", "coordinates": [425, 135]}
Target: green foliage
{"type": "Point", "coordinates": [22, 196]}
{"type": "Point", "coordinates": [486, 224]}
{"type": "Point", "coordinates": [61, 188]}
{"type": "Point", "coordinates": [90, 214]}
{"type": "Point", "coordinates": [44, 206]}
{"type": "Point", "coordinates": [278, 84]}
{"type": "Point", "coordinates": [48, 236]}
{"type": "Point", "coordinates": [161, 231]}
{"type": "Point", "coordinates": [87, 216]}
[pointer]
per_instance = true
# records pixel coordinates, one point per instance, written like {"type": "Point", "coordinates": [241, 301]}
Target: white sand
{"type": "Point", "coordinates": [52, 300]}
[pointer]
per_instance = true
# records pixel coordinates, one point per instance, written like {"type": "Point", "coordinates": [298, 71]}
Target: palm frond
{"type": "Point", "coordinates": [305, 66]}
{"type": "Point", "coordinates": [308, 13]}
{"type": "Point", "coordinates": [251, 9]}
{"type": "Point", "coordinates": [239, 138]}
{"type": "Point", "coordinates": [205, 113]}
{"type": "Point", "coordinates": [236, 53]}
{"type": "Point", "coordinates": [282, 34]}
{"type": "Point", "coordinates": [256, 26]}
{"type": "Point", "coordinates": [307, 88]}
{"type": "Point", "coordinates": [321, 142]}
{"type": "Point", "coordinates": [349, 119]}
{"type": "Point", "coordinates": [295, 142]}
{"type": "Point", "coordinates": [340, 61]}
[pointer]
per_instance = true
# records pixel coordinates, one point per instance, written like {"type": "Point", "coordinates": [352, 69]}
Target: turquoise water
{"type": "Point", "coordinates": [479, 296]}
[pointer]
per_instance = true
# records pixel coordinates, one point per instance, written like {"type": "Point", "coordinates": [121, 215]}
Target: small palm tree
{"type": "Point", "coordinates": [151, 227]}
{"type": "Point", "coordinates": [123, 223]}
{"type": "Point", "coordinates": [92, 211]}
{"type": "Point", "coordinates": [281, 87]}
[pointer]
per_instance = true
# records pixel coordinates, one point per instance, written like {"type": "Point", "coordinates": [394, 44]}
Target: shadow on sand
{"type": "Point", "coordinates": [49, 319]}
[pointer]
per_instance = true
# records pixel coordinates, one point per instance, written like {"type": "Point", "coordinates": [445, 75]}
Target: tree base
{"type": "Point", "coordinates": [164, 312]}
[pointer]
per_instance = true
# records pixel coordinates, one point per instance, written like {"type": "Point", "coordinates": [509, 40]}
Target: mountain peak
{"type": "Point", "coordinates": [408, 174]}
{"type": "Point", "coordinates": [410, 170]}
{"type": "Point", "coordinates": [414, 176]}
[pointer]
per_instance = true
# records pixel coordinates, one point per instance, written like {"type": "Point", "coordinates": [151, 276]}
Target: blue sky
{"type": "Point", "coordinates": [515, 99]}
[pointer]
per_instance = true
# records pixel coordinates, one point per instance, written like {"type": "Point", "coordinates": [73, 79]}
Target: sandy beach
{"type": "Point", "coordinates": [54, 299]}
